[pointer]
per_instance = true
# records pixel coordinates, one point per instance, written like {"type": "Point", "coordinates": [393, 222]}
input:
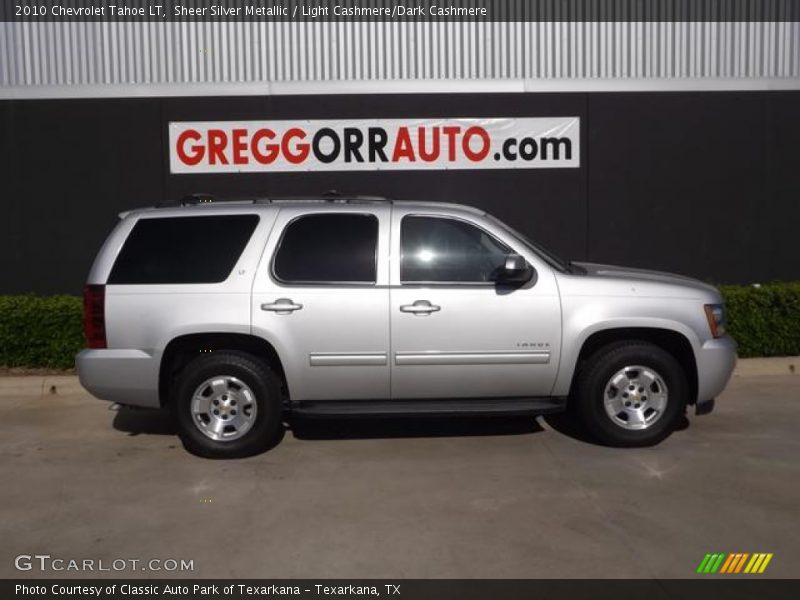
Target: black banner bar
{"type": "Point", "coordinates": [734, 588]}
{"type": "Point", "coordinates": [399, 10]}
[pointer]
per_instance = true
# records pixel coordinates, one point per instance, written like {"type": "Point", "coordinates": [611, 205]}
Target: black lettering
{"type": "Point", "coordinates": [528, 149]}
{"type": "Point", "coordinates": [353, 138]}
{"type": "Point", "coordinates": [377, 142]}
{"type": "Point", "coordinates": [555, 143]}
{"type": "Point", "coordinates": [315, 145]}
{"type": "Point", "coordinates": [508, 149]}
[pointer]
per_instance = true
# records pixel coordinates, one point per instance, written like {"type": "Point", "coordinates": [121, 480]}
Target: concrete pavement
{"type": "Point", "coordinates": [495, 498]}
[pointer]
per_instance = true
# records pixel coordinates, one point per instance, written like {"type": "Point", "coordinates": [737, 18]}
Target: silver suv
{"type": "Point", "coordinates": [241, 314]}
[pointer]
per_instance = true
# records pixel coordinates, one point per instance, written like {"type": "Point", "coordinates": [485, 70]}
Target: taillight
{"type": "Point", "coordinates": [94, 315]}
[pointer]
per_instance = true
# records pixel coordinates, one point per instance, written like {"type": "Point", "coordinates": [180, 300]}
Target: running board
{"type": "Point", "coordinates": [423, 407]}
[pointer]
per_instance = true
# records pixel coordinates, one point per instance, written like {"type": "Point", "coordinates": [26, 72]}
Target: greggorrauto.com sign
{"type": "Point", "coordinates": [374, 144]}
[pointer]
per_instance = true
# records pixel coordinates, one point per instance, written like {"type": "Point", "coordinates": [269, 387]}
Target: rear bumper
{"type": "Point", "coordinates": [124, 376]}
{"type": "Point", "coordinates": [715, 362]}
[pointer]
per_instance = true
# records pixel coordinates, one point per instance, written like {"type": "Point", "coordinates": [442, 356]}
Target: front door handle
{"type": "Point", "coordinates": [421, 308]}
{"type": "Point", "coordinates": [282, 306]}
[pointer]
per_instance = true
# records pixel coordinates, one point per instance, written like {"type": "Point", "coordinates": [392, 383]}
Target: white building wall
{"type": "Point", "coordinates": [180, 58]}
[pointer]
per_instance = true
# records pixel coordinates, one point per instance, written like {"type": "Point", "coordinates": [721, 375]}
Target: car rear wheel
{"type": "Point", "coordinates": [228, 405]}
{"type": "Point", "coordinates": [631, 394]}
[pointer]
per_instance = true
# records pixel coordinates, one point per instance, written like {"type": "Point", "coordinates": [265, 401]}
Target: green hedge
{"type": "Point", "coordinates": [764, 319]}
{"type": "Point", "coordinates": [40, 331]}
{"type": "Point", "coordinates": [46, 331]}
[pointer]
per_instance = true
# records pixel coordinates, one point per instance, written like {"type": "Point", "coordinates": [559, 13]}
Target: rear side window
{"type": "Point", "coordinates": [328, 248]}
{"type": "Point", "coordinates": [183, 249]}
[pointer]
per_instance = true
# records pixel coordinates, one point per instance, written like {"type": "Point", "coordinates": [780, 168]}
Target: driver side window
{"type": "Point", "coordinates": [443, 250]}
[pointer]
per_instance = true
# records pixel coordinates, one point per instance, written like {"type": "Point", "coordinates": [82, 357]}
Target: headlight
{"type": "Point", "coordinates": [715, 313]}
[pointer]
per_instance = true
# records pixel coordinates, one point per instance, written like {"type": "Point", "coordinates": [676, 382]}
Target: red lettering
{"type": "Point", "coordinates": [483, 135]}
{"type": "Point", "coordinates": [196, 151]}
{"type": "Point", "coordinates": [239, 147]}
{"type": "Point", "coordinates": [272, 150]}
{"type": "Point", "coordinates": [402, 146]}
{"type": "Point", "coordinates": [217, 141]}
{"type": "Point", "coordinates": [451, 133]}
{"type": "Point", "coordinates": [302, 149]}
{"type": "Point", "coordinates": [434, 153]}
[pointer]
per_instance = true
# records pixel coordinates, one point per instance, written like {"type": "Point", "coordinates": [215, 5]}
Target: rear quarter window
{"type": "Point", "coordinates": [183, 249]}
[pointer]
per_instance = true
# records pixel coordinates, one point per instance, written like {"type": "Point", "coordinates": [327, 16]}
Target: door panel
{"type": "Point", "coordinates": [472, 340]}
{"type": "Point", "coordinates": [336, 345]}
{"type": "Point", "coordinates": [480, 344]}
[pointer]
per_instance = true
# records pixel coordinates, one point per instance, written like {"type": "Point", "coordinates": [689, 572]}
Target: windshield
{"type": "Point", "coordinates": [549, 257]}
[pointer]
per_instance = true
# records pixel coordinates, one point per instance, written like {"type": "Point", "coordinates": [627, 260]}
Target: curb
{"type": "Point", "coordinates": [755, 367]}
{"type": "Point", "coordinates": [39, 385]}
{"type": "Point", "coordinates": [65, 385]}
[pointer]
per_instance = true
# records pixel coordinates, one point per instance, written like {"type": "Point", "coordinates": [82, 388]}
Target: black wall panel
{"type": "Point", "coordinates": [697, 183]}
{"type": "Point", "coordinates": [705, 184]}
{"type": "Point", "coordinates": [68, 168]}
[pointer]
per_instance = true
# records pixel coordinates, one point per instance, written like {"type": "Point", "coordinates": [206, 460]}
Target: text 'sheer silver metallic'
{"type": "Point", "coordinates": [532, 338]}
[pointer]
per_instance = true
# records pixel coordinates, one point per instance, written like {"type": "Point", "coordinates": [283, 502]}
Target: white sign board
{"type": "Point", "coordinates": [374, 145]}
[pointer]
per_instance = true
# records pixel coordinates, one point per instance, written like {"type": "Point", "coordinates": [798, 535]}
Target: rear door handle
{"type": "Point", "coordinates": [282, 306]}
{"type": "Point", "coordinates": [421, 308]}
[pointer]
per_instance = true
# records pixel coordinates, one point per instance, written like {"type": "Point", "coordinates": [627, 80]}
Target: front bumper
{"type": "Point", "coordinates": [716, 359]}
{"type": "Point", "coordinates": [704, 408]}
{"type": "Point", "coordinates": [125, 376]}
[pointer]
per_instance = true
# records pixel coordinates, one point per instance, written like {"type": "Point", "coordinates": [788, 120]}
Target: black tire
{"type": "Point", "coordinates": [602, 366]}
{"type": "Point", "coordinates": [265, 430]}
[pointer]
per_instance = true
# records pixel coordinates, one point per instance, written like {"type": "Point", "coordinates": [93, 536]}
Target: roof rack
{"type": "Point", "coordinates": [330, 196]}
{"type": "Point", "coordinates": [189, 200]}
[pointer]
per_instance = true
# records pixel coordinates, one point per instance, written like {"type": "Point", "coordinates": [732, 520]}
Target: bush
{"type": "Point", "coordinates": [765, 319]}
{"type": "Point", "coordinates": [40, 331]}
{"type": "Point", "coordinates": [46, 331]}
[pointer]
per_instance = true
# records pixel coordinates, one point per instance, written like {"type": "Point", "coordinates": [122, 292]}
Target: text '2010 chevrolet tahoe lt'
{"type": "Point", "coordinates": [240, 314]}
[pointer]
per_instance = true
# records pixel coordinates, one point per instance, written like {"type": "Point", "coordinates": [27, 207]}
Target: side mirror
{"type": "Point", "coordinates": [515, 269]}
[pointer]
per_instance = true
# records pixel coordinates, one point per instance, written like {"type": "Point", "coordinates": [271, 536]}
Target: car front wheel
{"type": "Point", "coordinates": [631, 394]}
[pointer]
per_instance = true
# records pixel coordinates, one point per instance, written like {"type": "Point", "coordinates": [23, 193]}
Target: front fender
{"type": "Point", "coordinates": [576, 334]}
